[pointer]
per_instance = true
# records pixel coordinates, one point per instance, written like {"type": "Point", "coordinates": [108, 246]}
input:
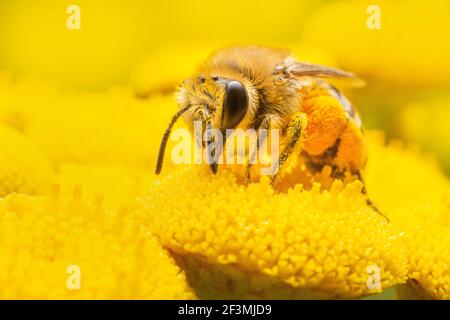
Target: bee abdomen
{"type": "Point", "coordinates": [349, 109]}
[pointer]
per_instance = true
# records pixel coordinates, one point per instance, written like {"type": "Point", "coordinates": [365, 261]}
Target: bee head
{"type": "Point", "coordinates": [223, 101]}
{"type": "Point", "coordinates": [218, 102]}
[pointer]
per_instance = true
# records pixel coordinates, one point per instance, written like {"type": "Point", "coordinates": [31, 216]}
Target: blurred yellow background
{"type": "Point", "coordinates": [147, 47]}
{"type": "Point", "coordinates": [82, 112]}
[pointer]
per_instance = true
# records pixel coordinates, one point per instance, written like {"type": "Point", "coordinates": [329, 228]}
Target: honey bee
{"type": "Point", "coordinates": [266, 88]}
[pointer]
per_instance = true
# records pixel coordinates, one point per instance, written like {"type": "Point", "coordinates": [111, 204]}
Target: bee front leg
{"type": "Point", "coordinates": [294, 142]}
{"type": "Point", "coordinates": [265, 124]}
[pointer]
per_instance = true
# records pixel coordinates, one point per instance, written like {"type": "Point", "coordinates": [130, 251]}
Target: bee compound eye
{"type": "Point", "coordinates": [235, 104]}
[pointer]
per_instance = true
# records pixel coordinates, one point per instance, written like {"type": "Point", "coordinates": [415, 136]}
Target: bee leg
{"type": "Point", "coordinates": [295, 133]}
{"type": "Point", "coordinates": [368, 200]}
{"type": "Point", "coordinates": [202, 114]}
{"type": "Point", "coordinates": [266, 125]}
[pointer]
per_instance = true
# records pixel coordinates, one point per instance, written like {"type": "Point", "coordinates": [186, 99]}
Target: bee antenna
{"type": "Point", "coordinates": [162, 146]}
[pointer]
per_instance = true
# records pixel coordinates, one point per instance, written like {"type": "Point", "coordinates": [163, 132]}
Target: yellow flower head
{"type": "Point", "coordinates": [113, 128]}
{"type": "Point", "coordinates": [82, 215]}
{"type": "Point", "coordinates": [238, 241]}
{"type": "Point", "coordinates": [66, 247]}
{"type": "Point", "coordinates": [424, 121]}
{"type": "Point", "coordinates": [416, 196]}
{"type": "Point", "coordinates": [23, 168]}
{"type": "Point", "coordinates": [114, 185]}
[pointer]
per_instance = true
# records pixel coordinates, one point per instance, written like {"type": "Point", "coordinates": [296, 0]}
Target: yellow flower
{"type": "Point", "coordinates": [113, 128]}
{"type": "Point", "coordinates": [23, 168]}
{"type": "Point", "coordinates": [114, 185]}
{"type": "Point", "coordinates": [416, 196]}
{"type": "Point", "coordinates": [241, 242]}
{"type": "Point", "coordinates": [429, 257]}
{"type": "Point", "coordinates": [237, 241]}
{"type": "Point", "coordinates": [87, 222]}
{"type": "Point", "coordinates": [22, 101]}
{"type": "Point", "coordinates": [424, 121]}
{"type": "Point", "coordinates": [44, 239]}
{"type": "Point", "coordinates": [102, 129]}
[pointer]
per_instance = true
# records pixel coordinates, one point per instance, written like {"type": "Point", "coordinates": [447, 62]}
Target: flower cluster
{"type": "Point", "coordinates": [77, 189]}
{"type": "Point", "coordinates": [117, 256]}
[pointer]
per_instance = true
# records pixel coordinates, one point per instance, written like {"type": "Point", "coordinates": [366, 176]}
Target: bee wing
{"type": "Point", "coordinates": [301, 69]}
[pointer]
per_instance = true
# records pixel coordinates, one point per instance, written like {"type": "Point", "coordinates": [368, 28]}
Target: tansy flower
{"type": "Point", "coordinates": [21, 101]}
{"type": "Point", "coordinates": [244, 242]}
{"type": "Point", "coordinates": [421, 208]}
{"type": "Point", "coordinates": [424, 121]}
{"type": "Point", "coordinates": [318, 241]}
{"type": "Point", "coordinates": [87, 228]}
{"type": "Point", "coordinates": [113, 128]}
{"type": "Point", "coordinates": [62, 246]}
{"type": "Point", "coordinates": [429, 257]}
{"type": "Point", "coordinates": [241, 242]}
{"type": "Point", "coordinates": [23, 168]}
{"type": "Point", "coordinates": [114, 185]}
